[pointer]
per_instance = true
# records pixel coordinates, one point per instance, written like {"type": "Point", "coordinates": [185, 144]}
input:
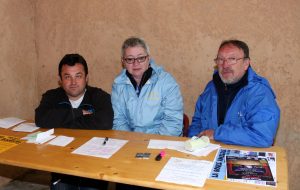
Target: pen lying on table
{"type": "Point", "coordinates": [105, 140]}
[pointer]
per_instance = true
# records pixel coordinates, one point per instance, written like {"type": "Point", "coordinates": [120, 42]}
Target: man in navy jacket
{"type": "Point", "coordinates": [74, 105]}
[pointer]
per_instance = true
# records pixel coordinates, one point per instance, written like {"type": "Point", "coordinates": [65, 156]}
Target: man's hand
{"type": "Point", "coordinates": [209, 133]}
{"type": "Point", "coordinates": [85, 112]}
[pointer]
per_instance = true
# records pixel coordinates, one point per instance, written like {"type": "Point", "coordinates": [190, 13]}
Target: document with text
{"type": "Point", "coordinates": [100, 147]}
{"type": "Point", "coordinates": [260, 176]}
{"type": "Point", "coordinates": [185, 171]}
{"type": "Point", "coordinates": [7, 142]}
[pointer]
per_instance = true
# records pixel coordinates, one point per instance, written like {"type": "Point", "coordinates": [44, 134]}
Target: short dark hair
{"type": "Point", "coordinates": [71, 60]}
{"type": "Point", "coordinates": [239, 44]}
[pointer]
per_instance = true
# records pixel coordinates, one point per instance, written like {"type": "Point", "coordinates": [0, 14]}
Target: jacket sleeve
{"type": "Point", "coordinates": [120, 121]}
{"type": "Point", "coordinates": [258, 124]}
{"type": "Point", "coordinates": [203, 111]}
{"type": "Point", "coordinates": [49, 115]}
{"type": "Point", "coordinates": [196, 127]}
{"type": "Point", "coordinates": [172, 102]}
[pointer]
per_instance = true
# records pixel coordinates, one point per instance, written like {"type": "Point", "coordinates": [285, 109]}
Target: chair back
{"type": "Point", "coordinates": [186, 124]}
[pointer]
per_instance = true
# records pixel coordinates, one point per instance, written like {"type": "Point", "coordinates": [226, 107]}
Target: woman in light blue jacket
{"type": "Point", "coordinates": [145, 98]}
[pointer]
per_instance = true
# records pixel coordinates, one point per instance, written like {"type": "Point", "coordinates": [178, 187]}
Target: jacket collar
{"type": "Point", "coordinates": [253, 78]}
{"type": "Point", "coordinates": [146, 76]}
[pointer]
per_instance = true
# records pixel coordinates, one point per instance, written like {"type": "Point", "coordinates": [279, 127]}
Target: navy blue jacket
{"type": "Point", "coordinates": [55, 110]}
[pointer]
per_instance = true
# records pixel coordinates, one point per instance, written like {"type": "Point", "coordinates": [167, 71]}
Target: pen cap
{"type": "Point", "coordinates": [196, 142]}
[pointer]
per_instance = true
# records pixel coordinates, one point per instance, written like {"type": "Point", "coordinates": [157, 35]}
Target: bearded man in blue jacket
{"type": "Point", "coordinates": [238, 106]}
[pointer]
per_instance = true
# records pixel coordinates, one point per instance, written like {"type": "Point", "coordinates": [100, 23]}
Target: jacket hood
{"type": "Point", "coordinates": [254, 78]}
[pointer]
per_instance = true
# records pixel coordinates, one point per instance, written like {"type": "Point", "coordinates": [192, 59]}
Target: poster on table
{"type": "Point", "coordinates": [252, 167]}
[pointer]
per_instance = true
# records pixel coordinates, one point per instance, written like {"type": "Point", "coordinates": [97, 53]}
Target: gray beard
{"type": "Point", "coordinates": [230, 81]}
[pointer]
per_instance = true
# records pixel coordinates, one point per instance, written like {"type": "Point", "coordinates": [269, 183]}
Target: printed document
{"type": "Point", "coordinates": [185, 171]}
{"type": "Point", "coordinates": [7, 142]}
{"type": "Point", "coordinates": [219, 170]}
{"type": "Point", "coordinates": [100, 147]}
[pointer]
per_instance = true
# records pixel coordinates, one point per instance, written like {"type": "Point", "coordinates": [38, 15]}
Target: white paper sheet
{"type": "Point", "coordinates": [201, 151]}
{"type": "Point", "coordinates": [61, 141]}
{"type": "Point", "coordinates": [185, 171]}
{"type": "Point", "coordinates": [179, 146]}
{"type": "Point", "coordinates": [9, 122]}
{"type": "Point", "coordinates": [26, 127]}
{"type": "Point", "coordinates": [162, 144]}
{"type": "Point", "coordinates": [95, 147]}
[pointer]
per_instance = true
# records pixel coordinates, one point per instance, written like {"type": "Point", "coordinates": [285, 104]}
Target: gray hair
{"type": "Point", "coordinates": [133, 42]}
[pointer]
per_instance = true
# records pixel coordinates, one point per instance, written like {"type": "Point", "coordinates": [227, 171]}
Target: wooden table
{"type": "Point", "coordinates": [122, 167]}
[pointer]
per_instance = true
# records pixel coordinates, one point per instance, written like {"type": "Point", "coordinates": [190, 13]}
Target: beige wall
{"type": "Point", "coordinates": [18, 66]}
{"type": "Point", "coordinates": [18, 58]}
{"type": "Point", "coordinates": [183, 38]}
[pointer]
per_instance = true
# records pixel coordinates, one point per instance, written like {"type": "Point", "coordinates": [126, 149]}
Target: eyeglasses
{"type": "Point", "coordinates": [230, 60]}
{"type": "Point", "coordinates": [131, 60]}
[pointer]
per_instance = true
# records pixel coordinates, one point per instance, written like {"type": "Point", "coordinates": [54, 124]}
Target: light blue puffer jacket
{"type": "Point", "coordinates": [157, 110]}
{"type": "Point", "coordinates": [251, 120]}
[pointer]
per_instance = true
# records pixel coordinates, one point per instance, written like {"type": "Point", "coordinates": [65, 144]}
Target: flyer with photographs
{"type": "Point", "coordinates": [242, 166]}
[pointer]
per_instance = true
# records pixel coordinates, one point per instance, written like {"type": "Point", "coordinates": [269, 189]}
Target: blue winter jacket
{"type": "Point", "coordinates": [251, 120]}
{"type": "Point", "coordinates": [157, 110]}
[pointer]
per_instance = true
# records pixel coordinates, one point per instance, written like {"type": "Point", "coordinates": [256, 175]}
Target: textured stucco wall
{"type": "Point", "coordinates": [18, 58]}
{"type": "Point", "coordinates": [18, 66]}
{"type": "Point", "coordinates": [183, 38]}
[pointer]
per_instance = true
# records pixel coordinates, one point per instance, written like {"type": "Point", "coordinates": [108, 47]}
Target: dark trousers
{"type": "Point", "coordinates": [120, 186]}
{"type": "Point", "coordinates": [68, 182]}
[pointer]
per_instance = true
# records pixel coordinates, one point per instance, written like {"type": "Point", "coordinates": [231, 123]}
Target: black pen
{"type": "Point", "coordinates": [105, 140]}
